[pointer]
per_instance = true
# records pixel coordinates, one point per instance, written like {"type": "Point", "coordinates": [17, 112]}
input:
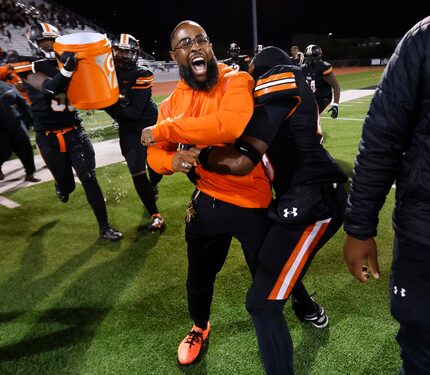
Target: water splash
{"type": "Point", "coordinates": [116, 187]}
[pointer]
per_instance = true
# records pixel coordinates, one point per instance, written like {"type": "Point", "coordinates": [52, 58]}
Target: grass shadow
{"type": "Point", "coordinates": [306, 352]}
{"type": "Point", "coordinates": [66, 308]}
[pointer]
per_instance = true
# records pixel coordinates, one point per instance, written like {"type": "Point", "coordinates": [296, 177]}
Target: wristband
{"type": "Point", "coordinates": [203, 157]}
{"type": "Point", "coordinates": [66, 73]}
{"type": "Point", "coordinates": [248, 150]}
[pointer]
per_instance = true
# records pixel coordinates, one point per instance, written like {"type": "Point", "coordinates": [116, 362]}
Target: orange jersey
{"type": "Point", "coordinates": [209, 118]}
{"type": "Point", "coordinates": [9, 73]}
{"type": "Point", "coordinates": [5, 70]}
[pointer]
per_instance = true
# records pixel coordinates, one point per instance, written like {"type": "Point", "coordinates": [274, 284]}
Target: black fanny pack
{"type": "Point", "coordinates": [303, 205]}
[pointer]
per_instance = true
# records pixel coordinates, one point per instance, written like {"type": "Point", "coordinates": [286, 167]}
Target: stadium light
{"type": "Point", "coordinates": [254, 24]}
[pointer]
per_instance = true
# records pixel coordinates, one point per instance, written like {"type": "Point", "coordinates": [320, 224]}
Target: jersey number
{"type": "Point", "coordinates": [312, 85]}
{"type": "Point", "coordinates": [60, 103]}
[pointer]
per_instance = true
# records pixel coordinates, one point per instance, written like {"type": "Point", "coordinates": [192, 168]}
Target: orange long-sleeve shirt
{"type": "Point", "coordinates": [209, 118]}
{"type": "Point", "coordinates": [8, 73]}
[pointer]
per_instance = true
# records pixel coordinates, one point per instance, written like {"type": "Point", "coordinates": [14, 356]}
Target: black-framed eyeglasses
{"type": "Point", "coordinates": [188, 42]}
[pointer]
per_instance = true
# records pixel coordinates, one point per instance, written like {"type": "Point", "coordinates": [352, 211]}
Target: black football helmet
{"type": "Point", "coordinates": [38, 33]}
{"type": "Point", "coordinates": [266, 59]}
{"type": "Point", "coordinates": [234, 50]}
{"type": "Point", "coordinates": [126, 50]}
{"type": "Point", "coordinates": [258, 49]}
{"type": "Point", "coordinates": [12, 56]}
{"type": "Point", "coordinates": [313, 54]}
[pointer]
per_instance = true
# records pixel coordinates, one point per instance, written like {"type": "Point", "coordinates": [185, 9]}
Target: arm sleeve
{"type": "Point", "coordinates": [159, 157]}
{"type": "Point", "coordinates": [223, 126]}
{"type": "Point", "coordinates": [23, 108]}
{"type": "Point", "coordinates": [386, 135]}
{"type": "Point", "coordinates": [55, 85]}
{"type": "Point", "coordinates": [264, 127]}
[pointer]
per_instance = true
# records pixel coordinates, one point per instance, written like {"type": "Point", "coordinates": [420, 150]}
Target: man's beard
{"type": "Point", "coordinates": [212, 76]}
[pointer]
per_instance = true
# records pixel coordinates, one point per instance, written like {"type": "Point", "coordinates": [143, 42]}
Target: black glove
{"type": "Point", "coordinates": [123, 101]}
{"type": "Point", "coordinates": [69, 61]}
{"type": "Point", "coordinates": [334, 109]}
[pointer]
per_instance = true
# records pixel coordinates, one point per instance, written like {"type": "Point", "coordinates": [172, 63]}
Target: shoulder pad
{"type": "Point", "coordinates": [279, 83]}
{"type": "Point", "coordinates": [326, 68]}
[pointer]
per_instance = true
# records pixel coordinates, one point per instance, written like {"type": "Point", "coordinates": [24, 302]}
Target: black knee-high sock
{"type": "Point", "coordinates": [154, 177]}
{"type": "Point", "coordinates": [146, 193]}
{"type": "Point", "coordinates": [96, 200]}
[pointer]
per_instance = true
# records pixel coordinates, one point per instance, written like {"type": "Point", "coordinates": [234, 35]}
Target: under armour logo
{"type": "Point", "coordinates": [292, 212]}
{"type": "Point", "coordinates": [402, 291]}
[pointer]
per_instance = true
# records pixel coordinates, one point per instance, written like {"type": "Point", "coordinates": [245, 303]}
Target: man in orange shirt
{"type": "Point", "coordinates": [9, 72]}
{"type": "Point", "coordinates": [212, 104]}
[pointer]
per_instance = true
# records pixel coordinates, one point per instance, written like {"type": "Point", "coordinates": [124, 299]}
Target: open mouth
{"type": "Point", "coordinates": [198, 66]}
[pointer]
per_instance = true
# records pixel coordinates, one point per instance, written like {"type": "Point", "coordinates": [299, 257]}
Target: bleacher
{"type": "Point", "coordinates": [40, 10]}
{"type": "Point", "coordinates": [64, 19]}
{"type": "Point", "coordinates": [19, 40]}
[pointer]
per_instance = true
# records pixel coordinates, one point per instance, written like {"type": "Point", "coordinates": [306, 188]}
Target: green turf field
{"type": "Point", "coordinates": [73, 304]}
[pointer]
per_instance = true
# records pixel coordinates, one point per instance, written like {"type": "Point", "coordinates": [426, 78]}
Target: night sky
{"type": "Point", "coordinates": [231, 21]}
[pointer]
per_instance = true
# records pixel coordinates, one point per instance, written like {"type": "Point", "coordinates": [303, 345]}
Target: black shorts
{"type": "Point", "coordinates": [133, 150]}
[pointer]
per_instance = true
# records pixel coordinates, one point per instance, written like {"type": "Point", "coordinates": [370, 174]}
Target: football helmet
{"type": "Point", "coordinates": [234, 49]}
{"type": "Point", "coordinates": [258, 49]}
{"type": "Point", "coordinates": [313, 54]}
{"type": "Point", "coordinates": [41, 32]}
{"type": "Point", "coordinates": [126, 50]}
{"type": "Point", "coordinates": [12, 56]}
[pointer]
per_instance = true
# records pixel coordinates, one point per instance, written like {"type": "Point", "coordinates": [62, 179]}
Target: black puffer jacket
{"type": "Point", "coordinates": [395, 145]}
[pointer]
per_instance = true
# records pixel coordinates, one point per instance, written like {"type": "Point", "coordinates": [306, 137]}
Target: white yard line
{"type": "Point", "coordinates": [341, 118]}
{"type": "Point", "coordinates": [8, 203]}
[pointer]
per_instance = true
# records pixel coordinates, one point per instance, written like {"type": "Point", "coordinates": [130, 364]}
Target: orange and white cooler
{"type": "Point", "coordinates": [94, 84]}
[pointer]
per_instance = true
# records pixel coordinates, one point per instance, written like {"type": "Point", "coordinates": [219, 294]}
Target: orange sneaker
{"type": "Point", "coordinates": [189, 348]}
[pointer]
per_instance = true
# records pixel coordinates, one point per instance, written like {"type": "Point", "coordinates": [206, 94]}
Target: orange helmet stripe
{"type": "Point", "coordinates": [46, 27]}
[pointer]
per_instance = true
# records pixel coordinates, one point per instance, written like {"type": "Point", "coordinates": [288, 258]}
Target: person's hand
{"type": "Point", "coordinates": [334, 109]}
{"type": "Point", "coordinates": [360, 254]}
{"type": "Point", "coordinates": [147, 138]}
{"type": "Point", "coordinates": [122, 101]}
{"type": "Point", "coordinates": [184, 160]}
{"type": "Point", "coordinates": [69, 61]}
